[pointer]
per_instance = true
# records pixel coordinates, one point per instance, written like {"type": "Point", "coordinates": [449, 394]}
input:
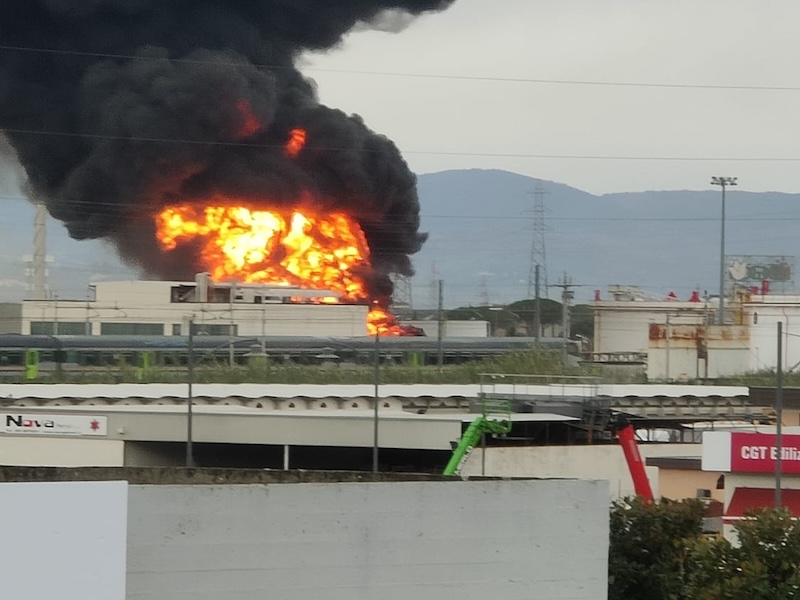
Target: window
{"type": "Point", "coordinates": [131, 329]}
{"type": "Point", "coordinates": [214, 329]}
{"type": "Point", "coordinates": [176, 329]}
{"type": "Point", "coordinates": [59, 328]}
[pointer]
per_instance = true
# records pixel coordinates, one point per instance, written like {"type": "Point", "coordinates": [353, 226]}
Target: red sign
{"type": "Point", "coordinates": [756, 453]}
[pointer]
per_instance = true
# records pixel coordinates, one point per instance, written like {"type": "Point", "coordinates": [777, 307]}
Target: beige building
{"type": "Point", "coordinates": [164, 308]}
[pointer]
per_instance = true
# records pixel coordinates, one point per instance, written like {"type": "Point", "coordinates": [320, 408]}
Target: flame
{"type": "Point", "coordinates": [289, 248]}
{"type": "Point", "coordinates": [382, 322]}
{"type": "Point", "coordinates": [250, 124]}
{"type": "Point", "coordinates": [260, 246]}
{"type": "Point", "coordinates": [297, 139]}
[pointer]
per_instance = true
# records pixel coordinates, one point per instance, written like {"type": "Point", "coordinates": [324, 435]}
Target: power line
{"type": "Point", "coordinates": [543, 156]}
{"type": "Point", "coordinates": [444, 76]}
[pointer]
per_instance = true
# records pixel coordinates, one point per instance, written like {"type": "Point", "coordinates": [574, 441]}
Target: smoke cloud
{"type": "Point", "coordinates": [117, 108]}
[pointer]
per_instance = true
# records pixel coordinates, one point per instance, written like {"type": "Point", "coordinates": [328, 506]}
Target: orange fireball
{"type": "Point", "coordinates": [278, 247]}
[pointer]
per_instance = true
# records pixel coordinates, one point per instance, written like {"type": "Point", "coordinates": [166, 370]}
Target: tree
{"type": "Point", "coordinates": [550, 310]}
{"type": "Point", "coordinates": [649, 546]}
{"type": "Point", "coordinates": [583, 320]}
{"type": "Point", "coordinates": [764, 565]}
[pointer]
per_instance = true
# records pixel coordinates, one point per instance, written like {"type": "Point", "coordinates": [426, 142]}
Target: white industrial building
{"type": "Point", "coordinates": [165, 307]}
{"type": "Point", "coordinates": [681, 340]}
{"type": "Point", "coordinates": [158, 308]}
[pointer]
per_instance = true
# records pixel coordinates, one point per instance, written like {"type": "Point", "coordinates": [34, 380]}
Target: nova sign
{"type": "Point", "coordinates": [36, 424]}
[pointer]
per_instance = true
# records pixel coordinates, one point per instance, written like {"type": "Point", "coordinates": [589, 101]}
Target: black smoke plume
{"type": "Point", "coordinates": [117, 108]}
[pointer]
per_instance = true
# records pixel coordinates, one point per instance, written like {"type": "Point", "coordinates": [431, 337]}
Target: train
{"type": "Point", "coordinates": [87, 352]}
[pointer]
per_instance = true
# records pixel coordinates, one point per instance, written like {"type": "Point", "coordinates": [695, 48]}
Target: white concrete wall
{"type": "Point", "coordinates": [63, 540]}
{"type": "Point", "coordinates": [511, 540]}
{"type": "Point", "coordinates": [683, 364]}
{"type": "Point", "coordinates": [478, 329]}
{"type": "Point", "coordinates": [582, 462]}
{"type": "Point", "coordinates": [624, 326]}
{"type": "Point", "coordinates": [38, 451]}
{"type": "Point", "coordinates": [10, 317]}
{"type": "Point", "coordinates": [763, 319]}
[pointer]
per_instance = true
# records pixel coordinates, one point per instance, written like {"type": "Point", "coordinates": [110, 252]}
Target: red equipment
{"type": "Point", "coordinates": [626, 434]}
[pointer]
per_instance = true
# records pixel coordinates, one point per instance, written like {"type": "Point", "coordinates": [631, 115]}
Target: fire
{"type": "Point", "coordinates": [382, 322]}
{"type": "Point", "coordinates": [250, 124]}
{"type": "Point", "coordinates": [297, 139]}
{"type": "Point", "coordinates": [293, 248]}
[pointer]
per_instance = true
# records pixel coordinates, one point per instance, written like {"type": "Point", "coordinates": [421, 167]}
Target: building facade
{"type": "Point", "coordinates": [682, 340]}
{"type": "Point", "coordinates": [157, 308]}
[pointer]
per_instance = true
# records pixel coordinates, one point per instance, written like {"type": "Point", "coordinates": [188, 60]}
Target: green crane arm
{"type": "Point", "coordinates": [470, 439]}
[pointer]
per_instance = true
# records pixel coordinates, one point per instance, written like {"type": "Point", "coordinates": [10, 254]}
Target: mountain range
{"type": "Point", "coordinates": [481, 227]}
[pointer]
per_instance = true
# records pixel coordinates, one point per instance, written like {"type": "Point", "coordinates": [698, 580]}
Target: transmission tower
{"type": "Point", "coordinates": [433, 287]}
{"type": "Point", "coordinates": [484, 290]}
{"type": "Point", "coordinates": [401, 298]}
{"type": "Point", "coordinates": [538, 253]}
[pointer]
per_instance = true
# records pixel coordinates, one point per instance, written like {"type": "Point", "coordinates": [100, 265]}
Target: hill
{"type": "Point", "coordinates": [480, 226]}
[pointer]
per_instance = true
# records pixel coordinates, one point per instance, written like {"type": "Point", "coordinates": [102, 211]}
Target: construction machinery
{"type": "Point", "coordinates": [495, 419]}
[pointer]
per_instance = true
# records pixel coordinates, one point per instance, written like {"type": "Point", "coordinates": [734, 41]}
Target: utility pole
{"type": "Point", "coordinates": [537, 308]}
{"type": "Point", "coordinates": [566, 296]}
{"type": "Point", "coordinates": [189, 399]}
{"type": "Point", "coordinates": [723, 182]}
{"type": "Point", "coordinates": [779, 416]}
{"type": "Point", "coordinates": [667, 336]}
{"type": "Point", "coordinates": [232, 329]}
{"type": "Point", "coordinates": [440, 328]}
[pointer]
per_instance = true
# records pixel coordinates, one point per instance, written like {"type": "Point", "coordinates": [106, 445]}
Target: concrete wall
{"type": "Point", "coordinates": [63, 540]}
{"type": "Point", "coordinates": [453, 328]}
{"type": "Point", "coordinates": [473, 540]}
{"type": "Point", "coordinates": [38, 451]}
{"type": "Point", "coordinates": [624, 326]}
{"type": "Point", "coordinates": [763, 317]}
{"type": "Point", "coordinates": [10, 317]}
{"type": "Point", "coordinates": [681, 483]}
{"type": "Point", "coordinates": [582, 462]}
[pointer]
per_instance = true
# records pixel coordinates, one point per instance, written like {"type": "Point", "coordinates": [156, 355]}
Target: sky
{"type": "Point", "coordinates": [483, 85]}
{"type": "Point", "coordinates": [605, 96]}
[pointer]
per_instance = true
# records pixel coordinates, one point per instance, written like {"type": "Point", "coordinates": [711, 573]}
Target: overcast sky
{"type": "Point", "coordinates": [449, 117]}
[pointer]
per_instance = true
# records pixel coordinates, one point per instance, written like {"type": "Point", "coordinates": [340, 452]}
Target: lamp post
{"type": "Point", "coordinates": [376, 379]}
{"type": "Point", "coordinates": [723, 182]}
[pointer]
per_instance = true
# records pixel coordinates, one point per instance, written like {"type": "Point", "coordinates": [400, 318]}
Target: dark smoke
{"type": "Point", "coordinates": [118, 107]}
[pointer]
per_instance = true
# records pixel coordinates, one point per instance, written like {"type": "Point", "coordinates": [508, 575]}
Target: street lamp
{"type": "Point", "coordinates": [723, 182]}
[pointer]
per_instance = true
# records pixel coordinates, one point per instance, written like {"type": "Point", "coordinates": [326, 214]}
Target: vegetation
{"type": "Point", "coordinates": [532, 362]}
{"type": "Point", "coordinates": [659, 552]}
{"type": "Point", "coordinates": [649, 547]}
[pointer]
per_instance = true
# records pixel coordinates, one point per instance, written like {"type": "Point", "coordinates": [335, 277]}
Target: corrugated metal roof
{"type": "Point", "coordinates": [272, 390]}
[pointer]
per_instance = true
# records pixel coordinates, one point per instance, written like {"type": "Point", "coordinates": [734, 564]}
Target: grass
{"type": "Point", "coordinates": [521, 362]}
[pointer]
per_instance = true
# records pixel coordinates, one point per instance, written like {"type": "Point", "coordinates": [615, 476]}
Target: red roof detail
{"type": "Point", "coordinates": [745, 499]}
